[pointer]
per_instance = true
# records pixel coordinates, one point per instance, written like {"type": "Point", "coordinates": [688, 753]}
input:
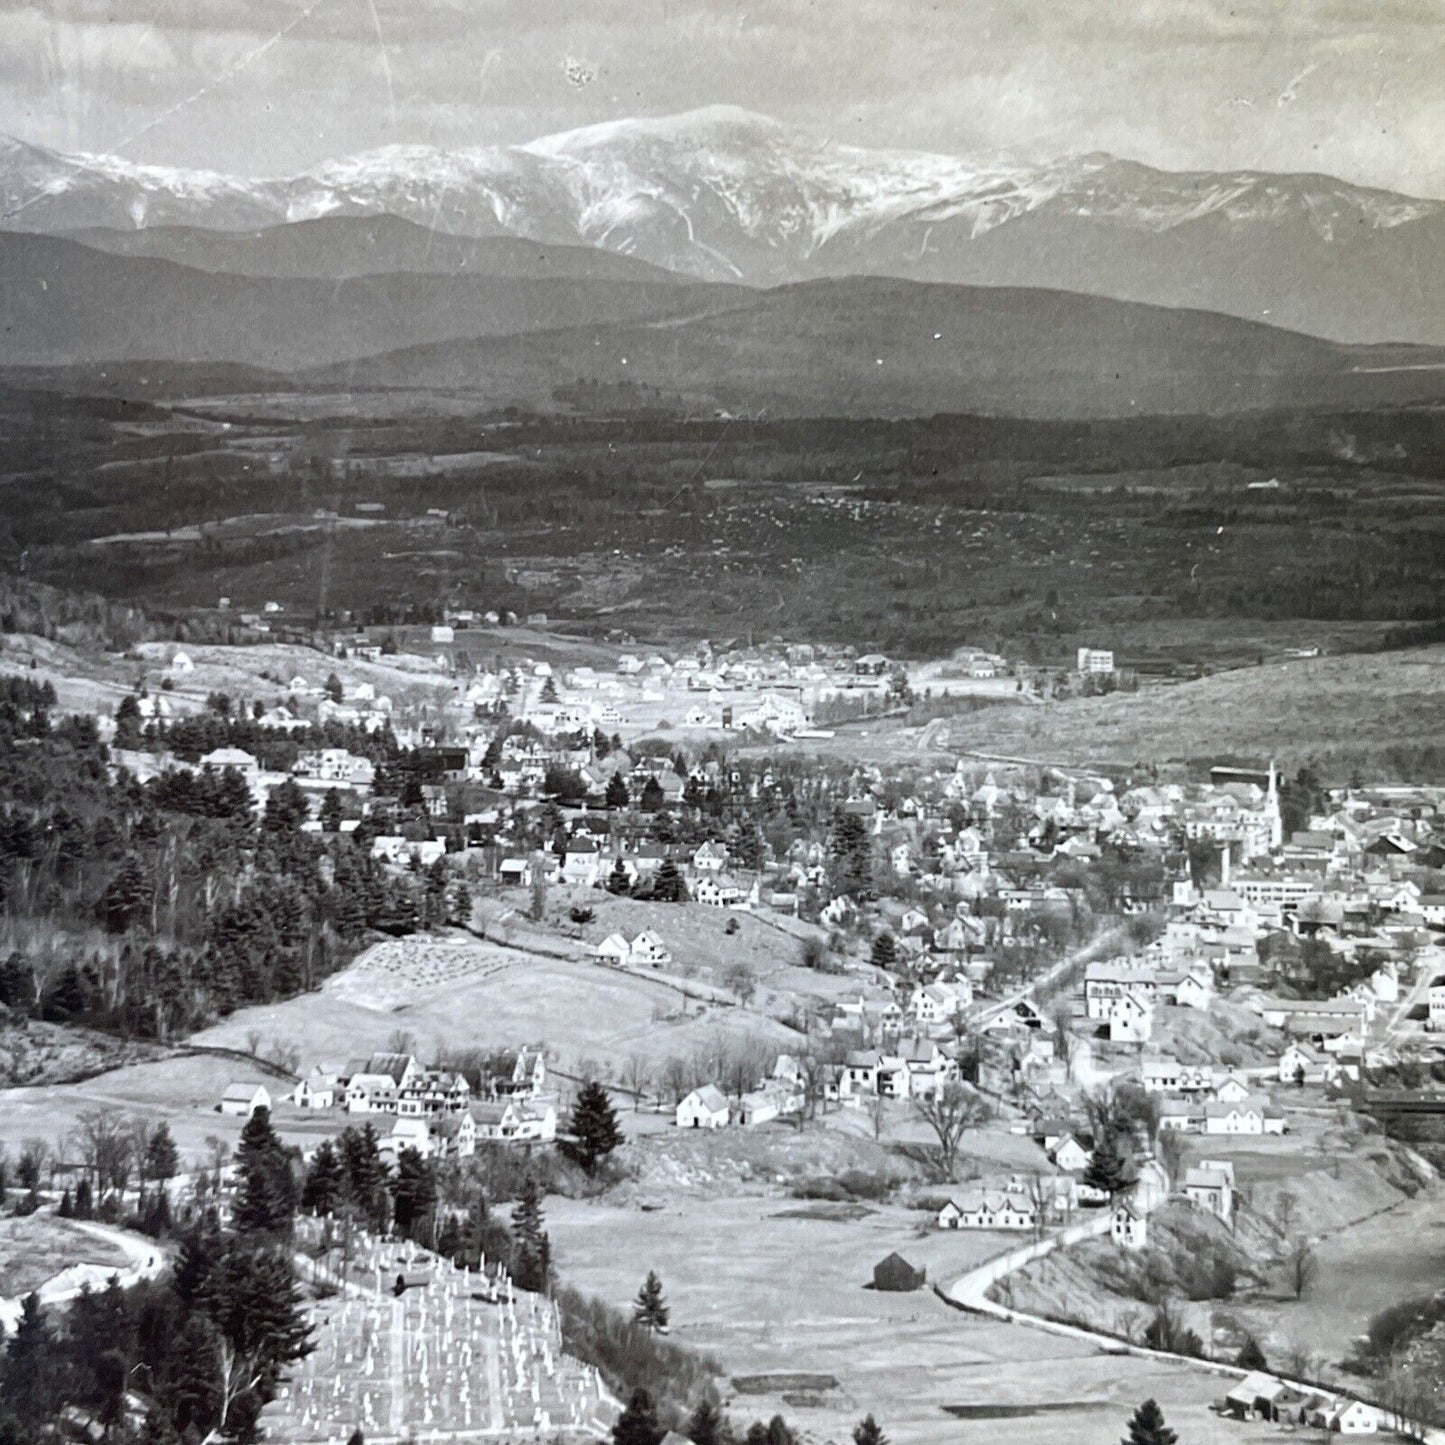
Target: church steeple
{"type": "Point", "coordinates": [1271, 809]}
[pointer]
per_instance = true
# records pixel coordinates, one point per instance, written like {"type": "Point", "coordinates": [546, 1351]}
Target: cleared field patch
{"type": "Point", "coordinates": [36, 1247]}
{"type": "Point", "coordinates": [782, 1298]}
{"type": "Point", "coordinates": [473, 994]}
{"type": "Point", "coordinates": [182, 1092]}
{"type": "Point", "coordinates": [704, 949]}
{"type": "Point", "coordinates": [1345, 708]}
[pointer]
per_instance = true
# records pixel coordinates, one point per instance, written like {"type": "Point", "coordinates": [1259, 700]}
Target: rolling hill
{"type": "Point", "coordinates": [882, 347]}
{"type": "Point", "coordinates": [65, 303]}
{"type": "Point", "coordinates": [723, 194]}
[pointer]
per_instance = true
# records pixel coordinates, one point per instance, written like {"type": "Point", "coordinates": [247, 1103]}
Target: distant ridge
{"type": "Point", "coordinates": [64, 303]}
{"type": "Point", "coordinates": [339, 247]}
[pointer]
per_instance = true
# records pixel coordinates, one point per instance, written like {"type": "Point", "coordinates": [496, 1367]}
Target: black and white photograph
{"type": "Point", "coordinates": [722, 724]}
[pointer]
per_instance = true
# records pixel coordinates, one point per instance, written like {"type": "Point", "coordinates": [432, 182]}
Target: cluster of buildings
{"type": "Point", "coordinates": [433, 1111]}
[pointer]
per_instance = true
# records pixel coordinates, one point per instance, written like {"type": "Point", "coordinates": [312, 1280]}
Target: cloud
{"type": "Point", "coordinates": [1182, 83]}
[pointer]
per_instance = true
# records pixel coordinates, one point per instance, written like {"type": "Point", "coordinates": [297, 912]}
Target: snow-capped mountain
{"type": "Point", "coordinates": [722, 194]}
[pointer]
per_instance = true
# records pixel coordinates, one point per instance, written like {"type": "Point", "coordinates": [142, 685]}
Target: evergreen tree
{"type": "Point", "coordinates": [325, 1183]}
{"type": "Point", "coordinates": [127, 896]}
{"type": "Point", "coordinates": [707, 1426]}
{"type": "Point", "coordinates": [850, 856]}
{"type": "Point", "coordinates": [414, 1193]}
{"type": "Point", "coordinates": [162, 1159]}
{"type": "Point", "coordinates": [1147, 1427]}
{"type": "Point", "coordinates": [84, 1198]}
{"type": "Point", "coordinates": [868, 1432]}
{"type": "Point", "coordinates": [333, 688]}
{"type": "Point", "coordinates": [255, 1302]}
{"type": "Point", "coordinates": [193, 1377]}
{"type": "Point", "coordinates": [1251, 1356]}
{"type": "Point", "coordinates": [1107, 1167]}
{"type": "Point", "coordinates": [532, 1250]}
{"type": "Point", "coordinates": [668, 886]}
{"type": "Point", "coordinates": [637, 1424]}
{"type": "Point", "coordinates": [200, 1249]}
{"type": "Point", "coordinates": [459, 906]}
{"type": "Point", "coordinates": [617, 795]}
{"type": "Point", "coordinates": [364, 1175]}
{"type": "Point", "coordinates": [595, 1129]}
{"type": "Point", "coordinates": [29, 1379]}
{"type": "Point", "coordinates": [653, 798]}
{"type": "Point", "coordinates": [286, 808]}
{"type": "Point", "coordinates": [884, 953]}
{"type": "Point", "coordinates": [618, 882]}
{"type": "Point", "coordinates": [650, 1308]}
{"type": "Point", "coordinates": [266, 1199]}
{"type": "Point", "coordinates": [775, 1432]}
{"type": "Point", "coordinates": [330, 814]}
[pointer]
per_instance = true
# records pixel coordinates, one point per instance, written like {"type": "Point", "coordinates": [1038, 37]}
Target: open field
{"type": "Point", "coordinates": [89, 681]}
{"type": "Point", "coordinates": [478, 995]}
{"type": "Point", "coordinates": [182, 1092]}
{"type": "Point", "coordinates": [698, 938]}
{"type": "Point", "coordinates": [35, 1247]}
{"type": "Point", "coordinates": [1356, 709]}
{"type": "Point", "coordinates": [775, 1287]}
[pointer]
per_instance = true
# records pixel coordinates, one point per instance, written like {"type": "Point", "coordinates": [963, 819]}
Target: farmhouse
{"type": "Point", "coordinates": [242, 1100]}
{"type": "Point", "coordinates": [370, 1094]}
{"type": "Point", "coordinates": [407, 1134]}
{"type": "Point", "coordinates": [1210, 1186]}
{"type": "Point", "coordinates": [237, 758]}
{"type": "Point", "coordinates": [1130, 1019]}
{"type": "Point", "coordinates": [703, 1108]}
{"type": "Point", "coordinates": [515, 1121]}
{"type": "Point", "coordinates": [1129, 1226]}
{"type": "Point", "coordinates": [989, 1209]}
{"type": "Point", "coordinates": [316, 1091]}
{"type": "Point", "coordinates": [647, 947]}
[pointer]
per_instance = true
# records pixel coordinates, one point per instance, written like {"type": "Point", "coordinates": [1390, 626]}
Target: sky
{"type": "Point", "coordinates": [1354, 88]}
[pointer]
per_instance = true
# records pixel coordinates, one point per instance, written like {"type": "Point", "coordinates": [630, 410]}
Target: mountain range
{"type": "Point", "coordinates": [725, 195]}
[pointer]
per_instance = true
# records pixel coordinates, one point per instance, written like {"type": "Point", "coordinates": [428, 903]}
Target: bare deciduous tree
{"type": "Point", "coordinates": [401, 1041]}
{"type": "Point", "coordinates": [1302, 1266]}
{"type": "Point", "coordinates": [636, 1076]}
{"type": "Point", "coordinates": [104, 1144]}
{"type": "Point", "coordinates": [949, 1114]}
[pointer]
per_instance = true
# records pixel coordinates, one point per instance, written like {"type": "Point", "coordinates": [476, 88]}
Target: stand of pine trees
{"type": "Point", "coordinates": [203, 907]}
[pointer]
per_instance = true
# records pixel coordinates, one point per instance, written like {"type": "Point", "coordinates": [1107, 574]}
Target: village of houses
{"type": "Point", "coordinates": [974, 865]}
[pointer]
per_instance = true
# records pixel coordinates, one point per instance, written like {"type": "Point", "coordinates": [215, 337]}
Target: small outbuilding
{"type": "Point", "coordinates": [897, 1276]}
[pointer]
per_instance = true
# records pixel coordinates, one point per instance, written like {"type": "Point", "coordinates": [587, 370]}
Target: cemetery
{"type": "Point", "coordinates": [409, 1347]}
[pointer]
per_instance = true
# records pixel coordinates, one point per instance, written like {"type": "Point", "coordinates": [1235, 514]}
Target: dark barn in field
{"type": "Point", "coordinates": [896, 1275]}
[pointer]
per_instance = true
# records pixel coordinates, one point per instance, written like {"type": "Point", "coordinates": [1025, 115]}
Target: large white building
{"type": "Point", "coordinates": [1095, 659]}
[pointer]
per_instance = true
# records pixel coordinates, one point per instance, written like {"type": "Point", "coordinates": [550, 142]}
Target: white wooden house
{"type": "Point", "coordinates": [703, 1108]}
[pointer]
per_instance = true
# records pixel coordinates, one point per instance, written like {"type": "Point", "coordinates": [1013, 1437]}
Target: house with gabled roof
{"type": "Point", "coordinates": [706, 1107]}
{"type": "Point", "coordinates": [243, 1100]}
{"type": "Point", "coordinates": [648, 948]}
{"type": "Point", "coordinates": [1129, 1225]}
{"type": "Point", "coordinates": [1210, 1185]}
